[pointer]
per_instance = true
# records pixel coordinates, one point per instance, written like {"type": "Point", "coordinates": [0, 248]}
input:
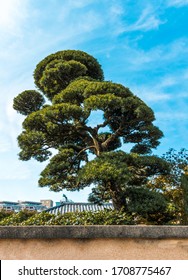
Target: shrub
{"type": "Point", "coordinates": [4, 214]}
{"type": "Point", "coordinates": [16, 218]}
{"type": "Point", "coordinates": [39, 219]}
{"type": "Point", "coordinates": [105, 217]}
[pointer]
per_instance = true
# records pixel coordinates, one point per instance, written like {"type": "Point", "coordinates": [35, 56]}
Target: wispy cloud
{"type": "Point", "coordinates": [165, 89]}
{"type": "Point", "coordinates": [171, 116]}
{"type": "Point", "coordinates": [176, 3]}
{"type": "Point", "coordinates": [151, 94]}
{"type": "Point", "coordinates": [79, 3]}
{"type": "Point", "coordinates": [148, 20]}
{"type": "Point", "coordinates": [12, 15]}
{"type": "Point", "coordinates": [140, 59]}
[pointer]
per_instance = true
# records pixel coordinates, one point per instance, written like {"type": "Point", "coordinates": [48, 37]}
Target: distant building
{"type": "Point", "coordinates": [66, 207]}
{"type": "Point", "coordinates": [47, 202]}
{"type": "Point", "coordinates": [62, 207]}
{"type": "Point", "coordinates": [32, 206]}
{"type": "Point", "coordinates": [26, 205]}
{"type": "Point", "coordinates": [9, 206]}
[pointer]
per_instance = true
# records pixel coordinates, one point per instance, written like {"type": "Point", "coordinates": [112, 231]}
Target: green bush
{"type": "Point", "coordinates": [39, 219]}
{"type": "Point", "coordinates": [16, 218]}
{"type": "Point", "coordinates": [4, 214]}
{"type": "Point", "coordinates": [105, 217]}
{"type": "Point", "coordinates": [149, 206]}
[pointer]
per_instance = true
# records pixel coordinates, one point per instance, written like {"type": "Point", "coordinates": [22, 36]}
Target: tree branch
{"type": "Point", "coordinates": [89, 147]}
{"type": "Point", "coordinates": [112, 137]}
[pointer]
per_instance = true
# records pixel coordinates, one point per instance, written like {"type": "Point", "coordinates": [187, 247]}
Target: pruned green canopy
{"type": "Point", "coordinates": [68, 129]}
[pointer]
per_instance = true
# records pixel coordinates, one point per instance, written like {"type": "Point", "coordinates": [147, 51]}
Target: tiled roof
{"type": "Point", "coordinates": [66, 207]}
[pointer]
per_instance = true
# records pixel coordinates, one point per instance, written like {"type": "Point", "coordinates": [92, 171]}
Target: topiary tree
{"type": "Point", "coordinates": [86, 117]}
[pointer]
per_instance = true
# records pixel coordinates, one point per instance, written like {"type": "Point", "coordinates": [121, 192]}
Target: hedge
{"type": "Point", "coordinates": [104, 217]}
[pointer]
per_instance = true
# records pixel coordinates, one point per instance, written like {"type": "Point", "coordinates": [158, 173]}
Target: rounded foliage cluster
{"type": "Point", "coordinates": [56, 71]}
{"type": "Point", "coordinates": [28, 101]}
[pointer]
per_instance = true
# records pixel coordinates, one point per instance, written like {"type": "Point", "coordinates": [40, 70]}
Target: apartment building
{"type": "Point", "coordinates": [44, 204]}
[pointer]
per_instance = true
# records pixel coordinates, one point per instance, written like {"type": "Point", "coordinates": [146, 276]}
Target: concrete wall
{"type": "Point", "coordinates": [94, 243]}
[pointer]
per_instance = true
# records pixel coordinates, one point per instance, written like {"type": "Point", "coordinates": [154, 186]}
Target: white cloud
{"type": "Point", "coordinates": [139, 59]}
{"type": "Point", "coordinates": [79, 3]}
{"type": "Point", "coordinates": [148, 20]}
{"type": "Point", "coordinates": [151, 93]}
{"type": "Point", "coordinates": [177, 3]}
{"type": "Point", "coordinates": [154, 96]}
{"type": "Point", "coordinates": [161, 90]}
{"type": "Point", "coordinates": [10, 120]}
{"type": "Point", "coordinates": [87, 23]}
{"type": "Point", "coordinates": [116, 10]}
{"type": "Point", "coordinates": [13, 127]}
{"type": "Point", "coordinates": [168, 81]}
{"type": "Point", "coordinates": [172, 116]}
{"type": "Point", "coordinates": [12, 15]}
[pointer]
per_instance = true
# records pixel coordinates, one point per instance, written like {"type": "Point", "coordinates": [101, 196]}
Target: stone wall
{"type": "Point", "coordinates": [94, 243]}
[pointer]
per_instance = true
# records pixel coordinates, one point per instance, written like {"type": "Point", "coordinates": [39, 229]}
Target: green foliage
{"type": "Point", "coordinates": [61, 172]}
{"type": "Point", "coordinates": [132, 168]}
{"type": "Point", "coordinates": [4, 214]}
{"type": "Point", "coordinates": [144, 201]}
{"type": "Point", "coordinates": [105, 217]}
{"type": "Point", "coordinates": [173, 186]}
{"type": "Point", "coordinates": [73, 83]}
{"type": "Point", "coordinates": [32, 144]}
{"type": "Point", "coordinates": [178, 162]}
{"type": "Point", "coordinates": [39, 219]}
{"type": "Point", "coordinates": [56, 71]}
{"type": "Point", "coordinates": [117, 174]}
{"type": "Point", "coordinates": [16, 218]}
{"type": "Point", "coordinates": [184, 187]}
{"type": "Point", "coordinates": [150, 206]}
{"type": "Point", "coordinates": [28, 101]}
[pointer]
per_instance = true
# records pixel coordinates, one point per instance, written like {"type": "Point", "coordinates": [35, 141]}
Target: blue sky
{"type": "Point", "coordinates": [142, 44]}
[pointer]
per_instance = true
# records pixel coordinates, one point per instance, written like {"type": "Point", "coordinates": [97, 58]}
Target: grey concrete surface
{"type": "Point", "coordinates": [92, 232]}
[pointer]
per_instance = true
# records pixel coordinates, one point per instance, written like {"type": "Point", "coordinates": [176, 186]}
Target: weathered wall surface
{"type": "Point", "coordinates": [93, 249]}
{"type": "Point", "coordinates": [94, 243]}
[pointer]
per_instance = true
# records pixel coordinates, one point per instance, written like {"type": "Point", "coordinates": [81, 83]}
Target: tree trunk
{"type": "Point", "coordinates": [98, 147]}
{"type": "Point", "coordinates": [118, 197]}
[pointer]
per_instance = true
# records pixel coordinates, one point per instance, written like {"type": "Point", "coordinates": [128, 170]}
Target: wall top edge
{"type": "Point", "coordinates": [92, 232]}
